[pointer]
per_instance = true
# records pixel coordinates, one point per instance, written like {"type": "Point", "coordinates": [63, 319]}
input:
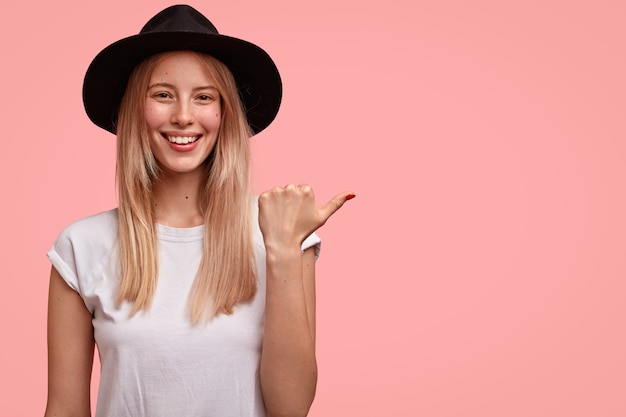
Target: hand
{"type": "Point", "coordinates": [288, 215]}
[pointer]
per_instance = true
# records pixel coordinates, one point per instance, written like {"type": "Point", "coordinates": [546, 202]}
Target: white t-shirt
{"type": "Point", "coordinates": [156, 363]}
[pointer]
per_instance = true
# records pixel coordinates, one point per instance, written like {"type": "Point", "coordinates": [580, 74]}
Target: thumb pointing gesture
{"type": "Point", "coordinates": [287, 215]}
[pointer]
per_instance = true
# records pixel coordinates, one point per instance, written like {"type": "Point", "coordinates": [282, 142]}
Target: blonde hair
{"type": "Point", "coordinates": [227, 272]}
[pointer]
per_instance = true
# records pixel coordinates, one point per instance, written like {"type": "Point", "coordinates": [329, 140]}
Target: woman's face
{"type": "Point", "coordinates": [183, 113]}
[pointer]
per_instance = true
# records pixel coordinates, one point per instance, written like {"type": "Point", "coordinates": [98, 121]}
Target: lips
{"type": "Point", "coordinates": [181, 140]}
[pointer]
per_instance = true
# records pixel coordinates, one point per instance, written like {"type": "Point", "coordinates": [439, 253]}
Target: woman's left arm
{"type": "Point", "coordinates": [288, 367]}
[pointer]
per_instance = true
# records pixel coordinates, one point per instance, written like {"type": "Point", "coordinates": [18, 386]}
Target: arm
{"type": "Point", "coordinates": [288, 365]}
{"type": "Point", "coordinates": [288, 371]}
{"type": "Point", "coordinates": [70, 351]}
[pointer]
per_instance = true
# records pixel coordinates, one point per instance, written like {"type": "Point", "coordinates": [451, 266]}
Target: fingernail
{"type": "Point", "coordinates": [350, 196]}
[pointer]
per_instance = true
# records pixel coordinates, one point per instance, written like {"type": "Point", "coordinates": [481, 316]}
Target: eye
{"type": "Point", "coordinates": [205, 97]}
{"type": "Point", "coordinates": [162, 95]}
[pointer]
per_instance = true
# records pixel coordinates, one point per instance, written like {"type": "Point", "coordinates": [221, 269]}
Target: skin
{"type": "Point", "coordinates": [287, 215]}
{"type": "Point", "coordinates": [70, 351]}
{"type": "Point", "coordinates": [181, 101]}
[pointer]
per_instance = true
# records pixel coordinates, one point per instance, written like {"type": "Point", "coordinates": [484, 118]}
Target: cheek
{"type": "Point", "coordinates": [153, 121]}
{"type": "Point", "coordinates": [153, 115]}
{"type": "Point", "coordinates": [212, 119]}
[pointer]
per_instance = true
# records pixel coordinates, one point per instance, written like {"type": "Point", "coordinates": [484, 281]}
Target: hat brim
{"type": "Point", "coordinates": [256, 75]}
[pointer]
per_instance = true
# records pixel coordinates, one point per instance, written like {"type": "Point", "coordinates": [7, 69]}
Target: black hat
{"type": "Point", "coordinates": [182, 27]}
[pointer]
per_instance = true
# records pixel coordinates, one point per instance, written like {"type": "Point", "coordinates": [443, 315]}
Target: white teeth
{"type": "Point", "coordinates": [182, 139]}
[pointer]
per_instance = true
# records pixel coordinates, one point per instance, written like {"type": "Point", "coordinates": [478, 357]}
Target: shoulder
{"type": "Point", "coordinates": [95, 227]}
{"type": "Point", "coordinates": [95, 234]}
{"type": "Point", "coordinates": [84, 247]}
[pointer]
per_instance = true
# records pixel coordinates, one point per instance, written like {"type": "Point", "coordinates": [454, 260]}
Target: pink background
{"type": "Point", "coordinates": [481, 269]}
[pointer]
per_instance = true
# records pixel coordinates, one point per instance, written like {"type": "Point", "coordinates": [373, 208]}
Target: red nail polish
{"type": "Point", "coordinates": [350, 196]}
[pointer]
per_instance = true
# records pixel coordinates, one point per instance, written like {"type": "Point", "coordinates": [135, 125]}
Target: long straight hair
{"type": "Point", "coordinates": [227, 272]}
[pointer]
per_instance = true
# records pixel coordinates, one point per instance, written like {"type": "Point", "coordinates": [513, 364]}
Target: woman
{"type": "Point", "coordinates": [201, 299]}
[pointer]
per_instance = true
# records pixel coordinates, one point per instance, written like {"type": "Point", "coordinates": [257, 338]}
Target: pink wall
{"type": "Point", "coordinates": [481, 269]}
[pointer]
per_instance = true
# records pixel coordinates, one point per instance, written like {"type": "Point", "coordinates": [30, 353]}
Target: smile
{"type": "Point", "coordinates": [182, 140]}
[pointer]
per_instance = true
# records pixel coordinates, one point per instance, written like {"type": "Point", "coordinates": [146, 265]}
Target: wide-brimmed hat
{"type": "Point", "coordinates": [181, 27]}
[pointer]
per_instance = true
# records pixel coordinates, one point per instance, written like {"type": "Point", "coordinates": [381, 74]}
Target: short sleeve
{"type": "Point", "coordinates": [312, 241]}
{"type": "Point", "coordinates": [83, 254]}
{"type": "Point", "coordinates": [62, 257]}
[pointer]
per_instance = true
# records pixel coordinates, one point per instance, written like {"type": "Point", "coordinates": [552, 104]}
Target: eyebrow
{"type": "Point", "coordinates": [172, 87]}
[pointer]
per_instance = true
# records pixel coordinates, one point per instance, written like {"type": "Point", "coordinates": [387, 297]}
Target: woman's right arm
{"type": "Point", "coordinates": [70, 351]}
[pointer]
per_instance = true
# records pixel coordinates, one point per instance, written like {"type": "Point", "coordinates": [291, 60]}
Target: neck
{"type": "Point", "coordinates": [177, 200]}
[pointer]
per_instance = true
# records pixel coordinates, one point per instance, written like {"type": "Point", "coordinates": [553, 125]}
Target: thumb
{"type": "Point", "coordinates": [335, 204]}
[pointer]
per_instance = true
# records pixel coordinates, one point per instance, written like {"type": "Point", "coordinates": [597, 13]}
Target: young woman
{"type": "Point", "coordinates": [200, 298]}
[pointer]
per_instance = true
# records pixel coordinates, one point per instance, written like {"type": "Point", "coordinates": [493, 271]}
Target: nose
{"type": "Point", "coordinates": [183, 114]}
